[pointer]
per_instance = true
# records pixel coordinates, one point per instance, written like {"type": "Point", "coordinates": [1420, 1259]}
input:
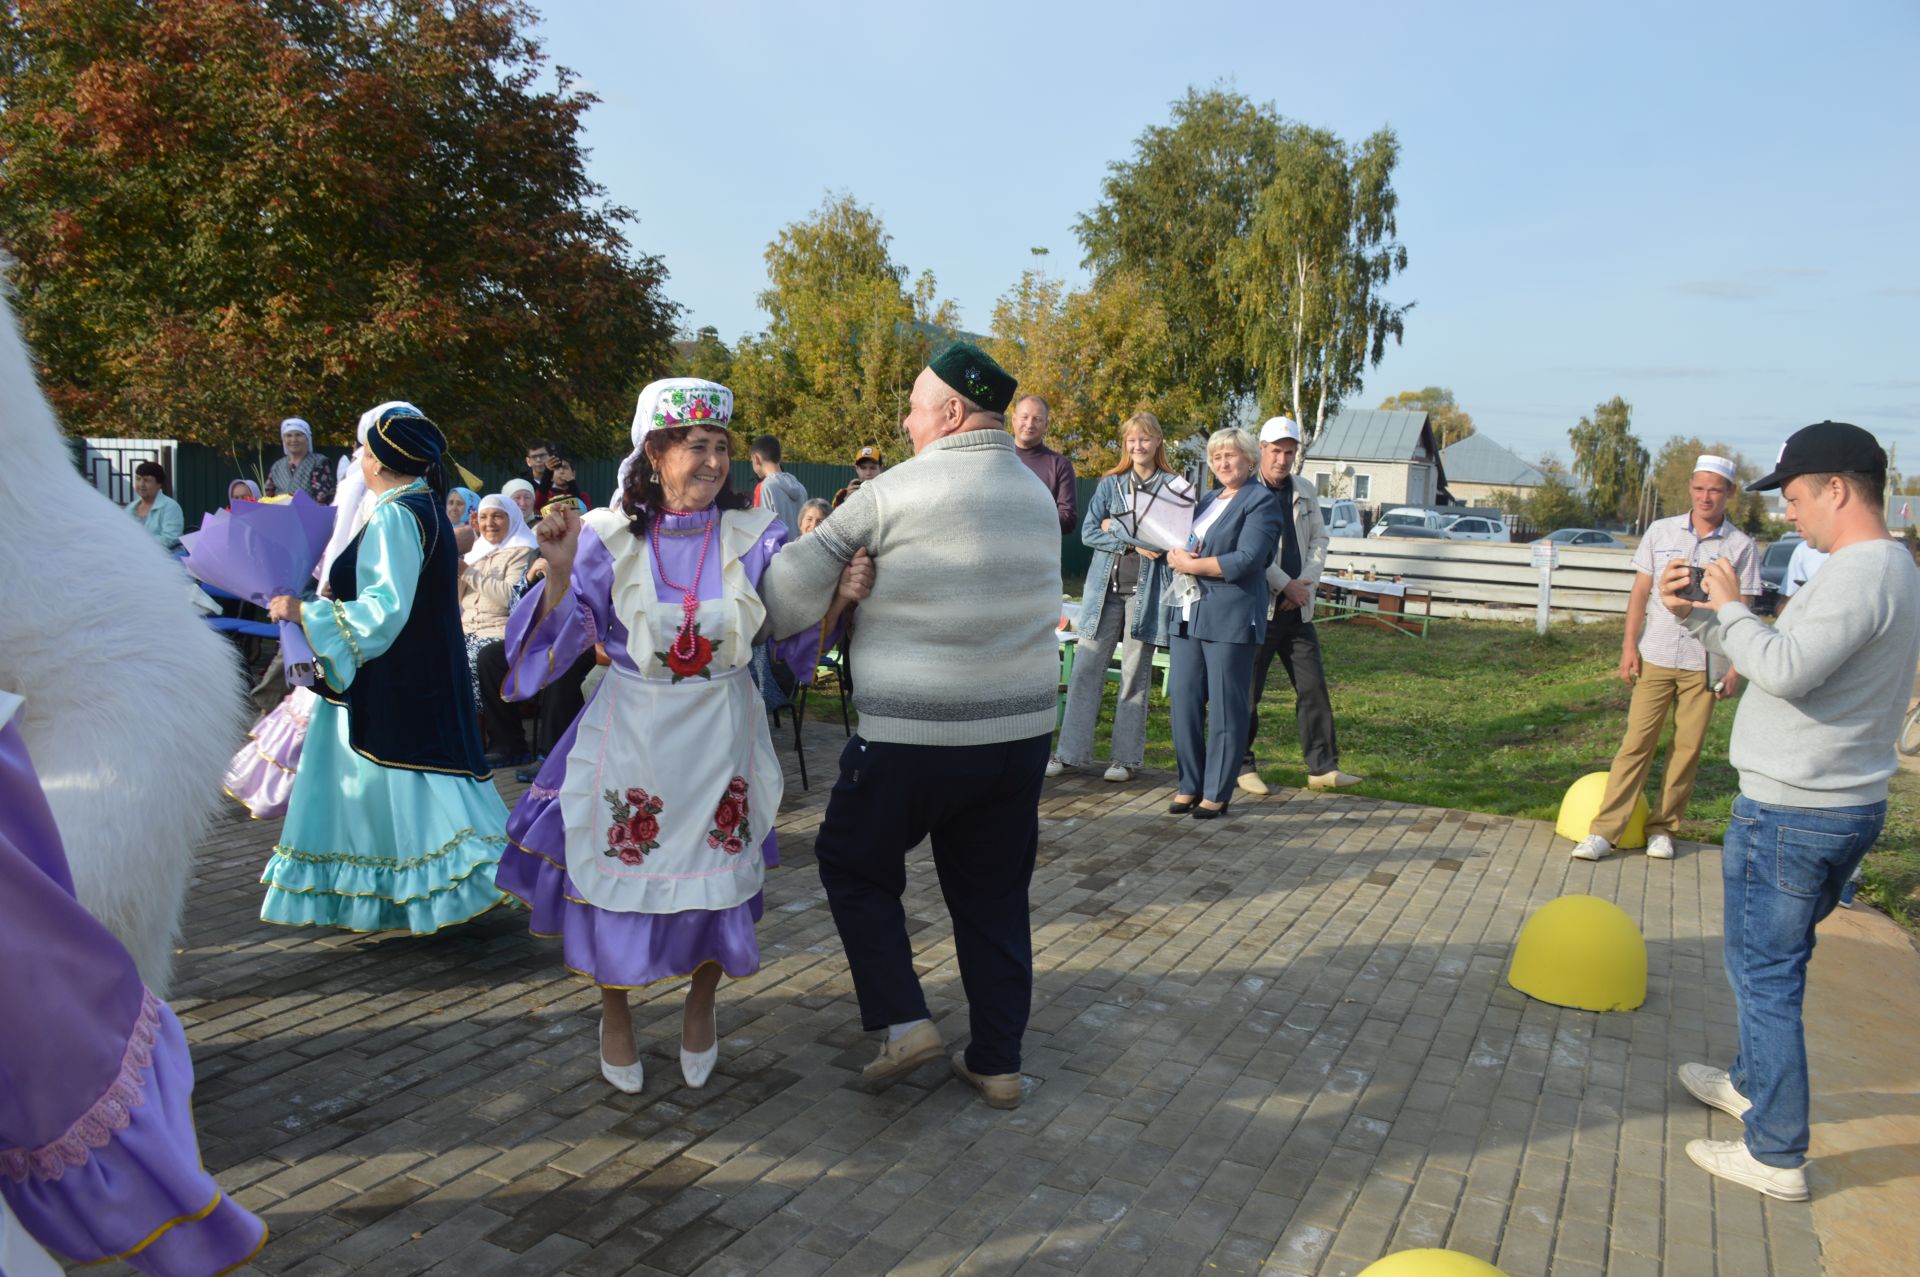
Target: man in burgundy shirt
{"type": "Point", "coordinates": [1028, 426]}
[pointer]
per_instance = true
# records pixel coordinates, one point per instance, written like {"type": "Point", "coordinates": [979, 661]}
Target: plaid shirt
{"type": "Point", "coordinates": [1665, 641]}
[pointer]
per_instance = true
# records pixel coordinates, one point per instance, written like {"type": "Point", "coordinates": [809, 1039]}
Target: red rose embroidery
{"type": "Point", "coordinates": [727, 815]}
{"type": "Point", "coordinates": [695, 666]}
{"type": "Point", "coordinates": [636, 827]}
{"type": "Point", "coordinates": [734, 845]}
{"type": "Point", "coordinates": [731, 831]}
{"type": "Point", "coordinates": [737, 787]}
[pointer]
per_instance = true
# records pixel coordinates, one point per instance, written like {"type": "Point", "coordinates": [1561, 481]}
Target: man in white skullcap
{"type": "Point", "coordinates": [1291, 579]}
{"type": "Point", "coordinates": [1668, 667]}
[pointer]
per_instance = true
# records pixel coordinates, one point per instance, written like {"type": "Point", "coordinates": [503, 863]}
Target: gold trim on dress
{"type": "Point", "coordinates": [164, 1229]}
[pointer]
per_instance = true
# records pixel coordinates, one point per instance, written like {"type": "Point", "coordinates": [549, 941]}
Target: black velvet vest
{"type": "Point", "coordinates": [412, 706]}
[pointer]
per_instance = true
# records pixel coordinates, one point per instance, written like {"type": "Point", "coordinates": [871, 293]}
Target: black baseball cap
{"type": "Point", "coordinates": [1826, 447]}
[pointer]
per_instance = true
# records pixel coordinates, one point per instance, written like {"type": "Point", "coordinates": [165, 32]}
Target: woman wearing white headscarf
{"type": "Point", "coordinates": [301, 469]}
{"type": "Point", "coordinates": [521, 493]}
{"type": "Point", "coordinates": [503, 549]}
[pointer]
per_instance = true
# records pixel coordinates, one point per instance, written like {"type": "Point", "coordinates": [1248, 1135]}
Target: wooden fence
{"type": "Point", "coordinates": [1469, 578]}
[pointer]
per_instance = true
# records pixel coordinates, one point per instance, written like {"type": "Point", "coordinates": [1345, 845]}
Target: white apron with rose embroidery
{"type": "Point", "coordinates": [672, 781]}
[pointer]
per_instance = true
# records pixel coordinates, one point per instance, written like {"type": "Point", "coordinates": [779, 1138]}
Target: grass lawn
{"type": "Point", "coordinates": [1486, 716]}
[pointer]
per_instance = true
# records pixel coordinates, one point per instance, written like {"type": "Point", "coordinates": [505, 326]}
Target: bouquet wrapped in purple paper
{"type": "Point", "coordinates": [256, 550]}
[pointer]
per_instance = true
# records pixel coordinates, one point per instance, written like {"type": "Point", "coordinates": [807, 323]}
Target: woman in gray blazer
{"type": "Point", "coordinates": [1216, 619]}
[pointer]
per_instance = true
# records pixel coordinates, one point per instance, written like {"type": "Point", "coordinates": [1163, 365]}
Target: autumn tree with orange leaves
{"type": "Point", "coordinates": [224, 212]}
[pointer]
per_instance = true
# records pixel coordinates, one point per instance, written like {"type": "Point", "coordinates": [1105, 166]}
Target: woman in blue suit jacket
{"type": "Point", "coordinates": [1215, 630]}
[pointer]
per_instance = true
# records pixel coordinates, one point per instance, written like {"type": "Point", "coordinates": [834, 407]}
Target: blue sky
{"type": "Point", "coordinates": [1709, 209]}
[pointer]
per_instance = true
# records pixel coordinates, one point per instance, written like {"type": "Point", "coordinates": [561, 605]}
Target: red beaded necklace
{"type": "Point", "coordinates": [689, 594]}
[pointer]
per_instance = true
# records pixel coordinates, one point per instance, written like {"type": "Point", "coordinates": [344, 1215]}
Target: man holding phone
{"type": "Point", "coordinates": [866, 468]}
{"type": "Point", "coordinates": [1813, 743]}
{"type": "Point", "coordinates": [1668, 667]}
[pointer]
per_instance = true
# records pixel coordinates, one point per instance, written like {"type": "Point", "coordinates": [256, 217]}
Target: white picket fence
{"type": "Point", "coordinates": [1472, 578]}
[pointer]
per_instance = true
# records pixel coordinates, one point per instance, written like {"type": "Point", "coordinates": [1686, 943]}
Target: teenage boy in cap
{"type": "Point", "coordinates": [866, 466]}
{"type": "Point", "coordinates": [1668, 667]}
{"type": "Point", "coordinates": [1813, 742]}
{"type": "Point", "coordinates": [958, 690]}
{"type": "Point", "coordinates": [1291, 579]}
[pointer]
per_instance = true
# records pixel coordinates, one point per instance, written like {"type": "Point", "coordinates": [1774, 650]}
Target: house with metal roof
{"type": "Point", "coordinates": [1378, 458]}
{"type": "Point", "coordinates": [1479, 470]}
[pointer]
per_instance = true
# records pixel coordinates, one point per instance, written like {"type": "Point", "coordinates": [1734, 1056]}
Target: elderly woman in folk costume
{"type": "Point", "coordinates": [260, 777]}
{"type": "Point", "coordinates": [394, 822]}
{"type": "Point", "coordinates": [301, 469]}
{"type": "Point", "coordinates": [644, 841]}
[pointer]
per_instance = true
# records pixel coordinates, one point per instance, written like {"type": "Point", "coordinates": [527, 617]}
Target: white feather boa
{"type": "Point", "coordinates": [133, 705]}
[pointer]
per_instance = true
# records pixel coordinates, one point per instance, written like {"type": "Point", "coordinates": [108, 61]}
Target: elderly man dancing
{"type": "Point", "coordinates": [957, 692]}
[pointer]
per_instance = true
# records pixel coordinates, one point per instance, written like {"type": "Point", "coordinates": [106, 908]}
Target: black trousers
{"type": "Point", "coordinates": [558, 704]}
{"type": "Point", "coordinates": [981, 806]}
{"type": "Point", "coordinates": [1298, 647]}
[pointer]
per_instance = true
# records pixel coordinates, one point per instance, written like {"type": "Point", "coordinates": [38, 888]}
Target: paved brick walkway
{"type": "Point", "coordinates": [1276, 1043]}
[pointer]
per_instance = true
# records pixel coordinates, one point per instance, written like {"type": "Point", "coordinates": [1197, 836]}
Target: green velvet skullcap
{"type": "Point", "coordinates": [972, 372]}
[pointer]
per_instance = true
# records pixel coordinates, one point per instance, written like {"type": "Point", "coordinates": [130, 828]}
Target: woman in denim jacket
{"type": "Point", "coordinates": [1122, 607]}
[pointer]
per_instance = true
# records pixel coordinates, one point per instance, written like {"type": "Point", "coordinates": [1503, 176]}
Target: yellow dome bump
{"type": "Point", "coordinates": [1582, 804]}
{"type": "Point", "coordinates": [1581, 951]}
{"type": "Point", "coordinates": [1430, 1263]}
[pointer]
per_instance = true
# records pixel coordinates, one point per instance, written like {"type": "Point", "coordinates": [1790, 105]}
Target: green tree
{"type": "Point", "coordinates": [1672, 476]}
{"type": "Point", "coordinates": [845, 335]}
{"type": "Point", "coordinates": [1609, 459]}
{"type": "Point", "coordinates": [1555, 505]}
{"type": "Point", "coordinates": [1451, 422]}
{"type": "Point", "coordinates": [1306, 281]}
{"type": "Point", "coordinates": [1170, 212]}
{"type": "Point", "coordinates": [703, 355]}
{"type": "Point", "coordinates": [1096, 356]}
{"type": "Point", "coordinates": [224, 212]}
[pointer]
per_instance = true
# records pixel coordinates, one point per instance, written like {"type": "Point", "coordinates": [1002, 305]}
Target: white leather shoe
{"type": "Point", "coordinates": [1335, 779]}
{"type": "Point", "coordinates": [1055, 767]}
{"type": "Point", "coordinates": [697, 1066]}
{"type": "Point", "coordinates": [1731, 1160]}
{"type": "Point", "coordinates": [629, 1078]}
{"type": "Point", "coordinates": [1592, 847]}
{"type": "Point", "coordinates": [1250, 783]}
{"type": "Point", "coordinates": [1660, 846]}
{"type": "Point", "coordinates": [1712, 1086]}
{"type": "Point", "coordinates": [1117, 774]}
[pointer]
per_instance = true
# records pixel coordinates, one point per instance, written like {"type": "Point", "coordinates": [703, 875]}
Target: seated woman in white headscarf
{"type": "Point", "coordinates": [301, 469]}
{"type": "Point", "coordinates": [521, 493]}
{"type": "Point", "coordinates": [503, 549]}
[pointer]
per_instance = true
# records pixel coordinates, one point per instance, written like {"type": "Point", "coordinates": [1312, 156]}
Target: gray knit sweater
{"type": "Point", "coordinates": [955, 645]}
{"type": "Point", "coordinates": [1827, 686]}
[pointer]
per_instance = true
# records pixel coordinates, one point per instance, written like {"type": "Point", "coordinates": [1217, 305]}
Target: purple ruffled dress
{"type": "Point", "coordinates": [261, 774]}
{"type": "Point", "coordinates": [615, 950]}
{"type": "Point", "coordinates": [98, 1157]}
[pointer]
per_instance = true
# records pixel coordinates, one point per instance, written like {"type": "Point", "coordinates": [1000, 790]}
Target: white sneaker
{"type": "Point", "coordinates": [1250, 783]}
{"type": "Point", "coordinates": [1713, 1087]}
{"type": "Point", "coordinates": [1592, 847]}
{"type": "Point", "coordinates": [1729, 1159]}
{"type": "Point", "coordinates": [1117, 774]}
{"type": "Point", "coordinates": [1659, 847]}
{"type": "Point", "coordinates": [1055, 767]}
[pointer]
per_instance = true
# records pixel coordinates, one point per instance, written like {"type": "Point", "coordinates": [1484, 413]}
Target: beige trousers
{"type": "Point", "coordinates": [1690, 697]}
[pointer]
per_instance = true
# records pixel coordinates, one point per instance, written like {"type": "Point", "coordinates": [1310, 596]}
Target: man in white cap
{"type": "Point", "coordinates": [1291, 579]}
{"type": "Point", "coordinates": [1668, 667]}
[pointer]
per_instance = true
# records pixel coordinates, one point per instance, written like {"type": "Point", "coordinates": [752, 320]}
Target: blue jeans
{"type": "Point", "coordinates": [1782, 869]}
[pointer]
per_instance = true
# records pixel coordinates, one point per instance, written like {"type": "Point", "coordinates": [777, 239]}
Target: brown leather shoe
{"type": "Point", "coordinates": [999, 1090]}
{"type": "Point", "coordinates": [905, 1053]}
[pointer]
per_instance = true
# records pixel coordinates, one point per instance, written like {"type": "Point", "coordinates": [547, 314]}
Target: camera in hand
{"type": "Point", "coordinates": [1693, 590]}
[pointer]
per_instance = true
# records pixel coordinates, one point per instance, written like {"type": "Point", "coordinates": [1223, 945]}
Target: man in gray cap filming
{"type": "Point", "coordinates": [1813, 742]}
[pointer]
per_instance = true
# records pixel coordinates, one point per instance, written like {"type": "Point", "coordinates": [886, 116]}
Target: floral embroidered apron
{"type": "Point", "coordinates": [672, 781]}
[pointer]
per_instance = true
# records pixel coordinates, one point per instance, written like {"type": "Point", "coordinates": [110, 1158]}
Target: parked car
{"type": "Point", "coordinates": [1405, 532]}
{"type": "Point", "coordinates": [1477, 527]}
{"type": "Point", "coordinates": [1773, 574]}
{"type": "Point", "coordinates": [1585, 539]}
{"type": "Point", "coordinates": [1342, 518]}
{"type": "Point", "coordinates": [1408, 516]}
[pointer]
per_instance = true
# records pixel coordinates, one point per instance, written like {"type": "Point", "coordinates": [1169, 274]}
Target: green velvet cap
{"type": "Point", "coordinates": [972, 372]}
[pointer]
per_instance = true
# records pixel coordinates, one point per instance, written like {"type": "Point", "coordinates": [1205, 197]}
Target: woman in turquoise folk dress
{"type": "Point", "coordinates": [393, 823]}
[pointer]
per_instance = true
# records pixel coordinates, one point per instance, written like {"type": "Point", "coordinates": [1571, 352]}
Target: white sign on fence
{"type": "Point", "coordinates": [1546, 554]}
